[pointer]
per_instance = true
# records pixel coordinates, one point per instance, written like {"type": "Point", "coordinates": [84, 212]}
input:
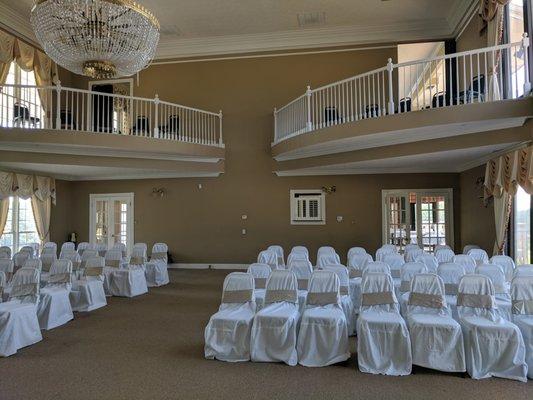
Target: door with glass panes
{"type": "Point", "coordinates": [112, 219]}
{"type": "Point", "coordinates": [424, 217]}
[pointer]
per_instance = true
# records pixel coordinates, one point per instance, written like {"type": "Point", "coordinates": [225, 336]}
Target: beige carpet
{"type": "Point", "coordinates": [151, 347]}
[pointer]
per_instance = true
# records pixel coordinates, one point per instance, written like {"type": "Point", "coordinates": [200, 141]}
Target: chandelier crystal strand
{"type": "Point", "coordinates": [96, 38]}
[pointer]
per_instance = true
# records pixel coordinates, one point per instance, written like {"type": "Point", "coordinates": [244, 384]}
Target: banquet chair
{"type": "Point", "coordinates": [123, 280]}
{"type": "Point", "coordinates": [122, 248]}
{"type": "Point", "coordinates": [300, 249]}
{"type": "Point", "coordinates": [141, 245]}
{"type": "Point", "coordinates": [302, 270]}
{"type": "Point", "coordinates": [395, 262]}
{"type": "Point", "coordinates": [157, 268]}
{"type": "Point", "coordinates": [19, 326]}
{"type": "Point", "coordinates": [451, 275]}
{"type": "Point", "coordinates": [33, 263]}
{"type": "Point", "coordinates": [523, 270]}
{"type": "Point", "coordinates": [479, 255]}
{"type": "Point", "coordinates": [296, 256]}
{"type": "Point", "coordinates": [260, 273]}
{"type": "Point", "coordinates": [85, 256]}
{"type": "Point", "coordinates": [325, 250]}
{"type": "Point", "coordinates": [227, 335]}
{"type": "Point", "coordinates": [413, 254]}
{"type": "Point", "coordinates": [502, 295]}
{"type": "Point", "coordinates": [430, 261]}
{"type": "Point", "coordinates": [323, 334]}
{"type": "Point", "coordinates": [411, 246]}
{"type": "Point", "coordinates": [268, 257]}
{"type": "Point", "coordinates": [54, 305]}
{"type": "Point", "coordinates": [377, 266]}
{"type": "Point", "coordinates": [469, 247]}
{"type": "Point", "coordinates": [279, 252]}
{"type": "Point", "coordinates": [49, 247]}
{"type": "Point", "coordinates": [358, 262]}
{"type": "Point", "coordinates": [75, 259]}
{"type": "Point", "coordinates": [384, 250]}
{"type": "Point", "coordinates": [29, 249]}
{"type": "Point", "coordinates": [327, 258]}
{"type": "Point", "coordinates": [507, 264]}
{"type": "Point", "coordinates": [383, 343]}
{"type": "Point", "coordinates": [409, 270]}
{"type": "Point", "coordinates": [87, 293]}
{"type": "Point", "coordinates": [47, 259]}
{"type": "Point", "coordinates": [522, 297]}
{"type": "Point", "coordinates": [66, 246]}
{"type": "Point", "coordinates": [355, 250]}
{"type": "Point", "coordinates": [444, 255]}
{"type": "Point", "coordinates": [101, 248]}
{"type": "Point", "coordinates": [356, 265]}
{"type": "Point", "coordinates": [274, 330]}
{"type": "Point", "coordinates": [466, 261]}
{"type": "Point", "coordinates": [436, 338]}
{"type": "Point", "coordinates": [6, 266]}
{"type": "Point", "coordinates": [3, 284]}
{"type": "Point", "coordinates": [493, 346]}
{"type": "Point", "coordinates": [441, 246]}
{"type": "Point", "coordinates": [5, 252]}
{"type": "Point", "coordinates": [19, 259]}
{"type": "Point", "coordinates": [346, 299]}
{"type": "Point", "coordinates": [82, 247]}
{"type": "Point", "coordinates": [138, 257]}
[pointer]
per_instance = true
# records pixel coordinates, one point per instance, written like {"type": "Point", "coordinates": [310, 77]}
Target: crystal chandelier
{"type": "Point", "coordinates": [101, 39]}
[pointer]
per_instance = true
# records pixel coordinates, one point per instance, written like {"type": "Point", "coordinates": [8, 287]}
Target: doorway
{"type": "Point", "coordinates": [421, 216]}
{"type": "Point", "coordinates": [111, 219]}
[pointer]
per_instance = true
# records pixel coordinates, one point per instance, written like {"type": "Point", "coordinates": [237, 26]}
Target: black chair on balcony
{"type": "Point", "coordinates": [331, 116]}
{"type": "Point", "coordinates": [67, 120]}
{"type": "Point", "coordinates": [438, 100]}
{"type": "Point", "coordinates": [172, 128]}
{"type": "Point", "coordinates": [21, 116]}
{"type": "Point", "coordinates": [142, 126]}
{"type": "Point", "coordinates": [475, 92]}
{"type": "Point", "coordinates": [371, 111]}
{"type": "Point", "coordinates": [404, 105]}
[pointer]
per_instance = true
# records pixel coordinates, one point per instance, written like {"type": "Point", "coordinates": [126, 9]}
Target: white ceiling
{"type": "Point", "coordinates": [444, 161]}
{"type": "Point", "coordinates": [207, 27]}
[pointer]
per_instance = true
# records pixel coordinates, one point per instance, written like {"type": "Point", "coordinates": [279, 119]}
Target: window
{"type": "Point", "coordinates": [522, 227]}
{"type": "Point", "coordinates": [515, 26]}
{"type": "Point", "coordinates": [308, 207]}
{"type": "Point", "coordinates": [20, 227]}
{"type": "Point", "coordinates": [21, 106]}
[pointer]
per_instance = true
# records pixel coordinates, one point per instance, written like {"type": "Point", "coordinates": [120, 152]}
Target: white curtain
{"type": "Point", "coordinates": [41, 212]}
{"type": "Point", "coordinates": [4, 208]}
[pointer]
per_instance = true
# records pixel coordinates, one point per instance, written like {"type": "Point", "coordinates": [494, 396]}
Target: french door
{"type": "Point", "coordinates": [112, 219]}
{"type": "Point", "coordinates": [424, 217]}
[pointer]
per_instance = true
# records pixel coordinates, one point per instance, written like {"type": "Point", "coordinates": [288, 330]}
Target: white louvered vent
{"type": "Point", "coordinates": [311, 19]}
{"type": "Point", "coordinates": [307, 207]}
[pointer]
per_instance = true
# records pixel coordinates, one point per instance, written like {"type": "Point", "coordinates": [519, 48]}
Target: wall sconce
{"type": "Point", "coordinates": [329, 189]}
{"type": "Point", "coordinates": [158, 192]}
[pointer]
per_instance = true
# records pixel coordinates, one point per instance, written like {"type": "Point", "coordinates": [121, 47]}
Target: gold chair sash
{"type": "Point", "coordinates": [63, 277]}
{"type": "Point", "coordinates": [94, 271]}
{"type": "Point", "coordinates": [522, 307]}
{"type": "Point", "coordinates": [322, 299]}
{"type": "Point", "coordinates": [76, 265]}
{"type": "Point", "coordinates": [112, 263]}
{"type": "Point", "coordinates": [474, 300]}
{"type": "Point", "coordinates": [25, 289]}
{"type": "Point", "coordinates": [303, 284]}
{"type": "Point", "coordinates": [273, 296]}
{"type": "Point", "coordinates": [46, 266]}
{"type": "Point", "coordinates": [137, 260]}
{"type": "Point", "coordinates": [426, 300]}
{"type": "Point", "coordinates": [374, 299]}
{"type": "Point", "coordinates": [237, 296]}
{"type": "Point", "coordinates": [356, 273]}
{"type": "Point", "coordinates": [344, 291]}
{"type": "Point", "coordinates": [405, 286]}
{"type": "Point", "coordinates": [159, 256]}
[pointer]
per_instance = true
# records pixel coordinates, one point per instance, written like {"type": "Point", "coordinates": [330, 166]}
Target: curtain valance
{"type": "Point", "coordinates": [26, 186]}
{"type": "Point", "coordinates": [505, 173]}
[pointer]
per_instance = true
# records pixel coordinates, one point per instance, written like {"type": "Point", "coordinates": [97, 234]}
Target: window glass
{"type": "Point", "coordinates": [515, 30]}
{"type": "Point", "coordinates": [20, 227]}
{"type": "Point", "coordinates": [522, 227]}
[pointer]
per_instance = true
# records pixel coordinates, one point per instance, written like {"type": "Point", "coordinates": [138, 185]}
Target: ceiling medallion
{"type": "Point", "coordinates": [101, 39]}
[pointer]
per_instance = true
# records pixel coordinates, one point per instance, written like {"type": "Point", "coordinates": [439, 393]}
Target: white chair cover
{"type": "Point", "coordinates": [451, 275]}
{"type": "Point", "coordinates": [19, 326]}
{"type": "Point", "coordinates": [410, 247]}
{"type": "Point", "coordinates": [436, 338]}
{"type": "Point", "coordinates": [323, 335]}
{"type": "Point", "coordinates": [355, 250]}
{"type": "Point", "coordinates": [359, 261]}
{"type": "Point", "coordinates": [274, 329]}
{"type": "Point", "coordinates": [84, 246]}
{"type": "Point", "coordinates": [356, 265]}
{"type": "Point", "coordinates": [122, 248]}
{"type": "Point", "coordinates": [479, 255]}
{"type": "Point", "coordinates": [227, 335]}
{"type": "Point", "coordinates": [466, 261]}
{"type": "Point", "coordinates": [279, 252]}
{"type": "Point", "coordinates": [268, 257]}
{"type": "Point", "coordinates": [5, 252]}
{"type": "Point", "coordinates": [429, 260]}
{"type": "Point", "coordinates": [493, 345]}
{"type": "Point", "coordinates": [29, 249]}
{"type": "Point", "coordinates": [123, 280]}
{"type": "Point", "coordinates": [50, 247]}
{"type": "Point", "coordinates": [328, 258]}
{"type": "Point", "coordinates": [138, 257]}
{"type": "Point", "coordinates": [377, 266]}
{"type": "Point", "coordinates": [88, 293]}
{"type": "Point", "coordinates": [383, 343]}
{"type": "Point", "coordinates": [507, 264]}
{"type": "Point", "coordinates": [441, 246]}
{"type": "Point", "coordinates": [444, 255]}
{"type": "Point", "coordinates": [522, 297]}
{"type": "Point", "coordinates": [502, 293]}
{"type": "Point", "coordinates": [296, 256]}
{"type": "Point", "coordinates": [300, 249]}
{"type": "Point", "coordinates": [325, 250]}
{"type": "Point", "coordinates": [157, 268]}
{"type": "Point", "coordinates": [260, 273]}
{"type": "Point", "coordinates": [47, 259]}
{"type": "Point", "coordinates": [19, 259]}
{"type": "Point", "coordinates": [346, 299]}
{"type": "Point", "coordinates": [413, 254]}
{"type": "Point", "coordinates": [66, 246]}
{"type": "Point", "coordinates": [409, 270]}
{"type": "Point", "coordinates": [7, 266]}
{"type": "Point", "coordinates": [383, 251]}
{"type": "Point", "coordinates": [33, 263]}
{"type": "Point", "coordinates": [469, 247]}
{"type": "Point", "coordinates": [395, 261]}
{"type": "Point", "coordinates": [523, 270]}
{"type": "Point", "coordinates": [303, 271]}
{"type": "Point", "coordinates": [141, 245]}
{"type": "Point", "coordinates": [3, 284]}
{"type": "Point", "coordinates": [101, 248]}
{"type": "Point", "coordinates": [54, 306]}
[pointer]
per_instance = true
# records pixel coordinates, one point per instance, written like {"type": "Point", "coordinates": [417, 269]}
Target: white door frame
{"type": "Point", "coordinates": [130, 197]}
{"type": "Point", "coordinates": [448, 196]}
{"type": "Point", "coordinates": [106, 82]}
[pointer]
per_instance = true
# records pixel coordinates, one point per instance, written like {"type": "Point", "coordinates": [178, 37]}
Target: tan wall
{"type": "Point", "coordinates": [471, 38]}
{"type": "Point", "coordinates": [205, 225]}
{"type": "Point", "coordinates": [477, 221]}
{"type": "Point", "coordinates": [61, 212]}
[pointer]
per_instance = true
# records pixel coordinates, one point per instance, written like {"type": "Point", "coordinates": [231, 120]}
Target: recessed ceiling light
{"type": "Point", "coordinates": [311, 19]}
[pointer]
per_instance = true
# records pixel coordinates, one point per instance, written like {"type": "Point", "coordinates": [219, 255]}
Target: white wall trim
{"type": "Point", "coordinates": [17, 24]}
{"type": "Point", "coordinates": [208, 266]}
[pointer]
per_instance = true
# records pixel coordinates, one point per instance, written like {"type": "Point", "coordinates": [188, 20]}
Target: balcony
{"type": "Point", "coordinates": [428, 100]}
{"type": "Point", "coordinates": [88, 134]}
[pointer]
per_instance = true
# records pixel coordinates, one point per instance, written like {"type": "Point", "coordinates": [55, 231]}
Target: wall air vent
{"type": "Point", "coordinates": [311, 19]}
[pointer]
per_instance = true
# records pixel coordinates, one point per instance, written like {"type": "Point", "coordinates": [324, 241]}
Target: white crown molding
{"type": "Point", "coordinates": [17, 24]}
{"type": "Point", "coordinates": [208, 266]}
{"type": "Point", "coordinates": [482, 160]}
{"type": "Point", "coordinates": [461, 14]}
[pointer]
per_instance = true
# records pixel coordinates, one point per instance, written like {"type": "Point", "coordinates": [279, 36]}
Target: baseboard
{"type": "Point", "coordinates": [208, 266]}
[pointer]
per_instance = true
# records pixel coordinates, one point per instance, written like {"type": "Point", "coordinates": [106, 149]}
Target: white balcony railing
{"type": "Point", "coordinates": [61, 108]}
{"type": "Point", "coordinates": [477, 76]}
